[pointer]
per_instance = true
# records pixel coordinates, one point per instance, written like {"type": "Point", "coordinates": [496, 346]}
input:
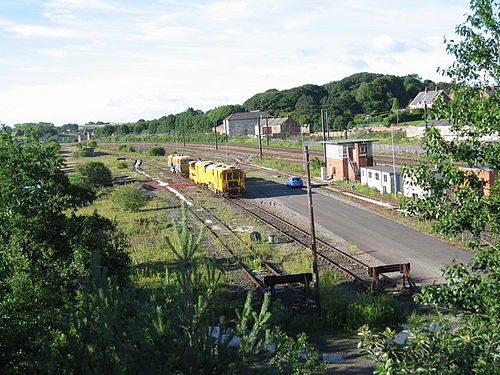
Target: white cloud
{"type": "Point", "coordinates": [46, 31]}
{"type": "Point", "coordinates": [52, 52]}
{"type": "Point", "coordinates": [225, 10]}
{"type": "Point", "coordinates": [383, 43]}
{"type": "Point", "coordinates": [301, 21]}
{"type": "Point", "coordinates": [165, 33]}
{"type": "Point", "coordinates": [83, 5]}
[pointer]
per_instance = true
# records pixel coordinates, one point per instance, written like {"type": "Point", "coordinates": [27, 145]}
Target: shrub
{"type": "Point", "coordinates": [156, 151]}
{"type": "Point", "coordinates": [374, 311]}
{"type": "Point", "coordinates": [91, 144]}
{"type": "Point", "coordinates": [126, 148]}
{"type": "Point", "coordinates": [92, 174]}
{"type": "Point", "coordinates": [121, 164]}
{"type": "Point", "coordinates": [403, 117]}
{"type": "Point", "coordinates": [83, 153]}
{"type": "Point", "coordinates": [130, 198]}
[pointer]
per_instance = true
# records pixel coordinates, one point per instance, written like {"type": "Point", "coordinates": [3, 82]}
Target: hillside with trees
{"type": "Point", "coordinates": [357, 99]}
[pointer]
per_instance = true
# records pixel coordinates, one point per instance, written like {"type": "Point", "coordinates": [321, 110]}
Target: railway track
{"type": "Point", "coordinates": [290, 154]}
{"type": "Point", "coordinates": [351, 268]}
{"type": "Point", "coordinates": [206, 217]}
{"type": "Point", "coordinates": [333, 257]}
{"type": "Point", "coordinates": [236, 248]}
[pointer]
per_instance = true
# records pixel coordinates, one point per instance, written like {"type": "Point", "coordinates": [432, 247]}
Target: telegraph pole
{"type": "Point", "coordinates": [324, 133]}
{"type": "Point", "coordinates": [215, 129]}
{"type": "Point", "coordinates": [184, 134]}
{"type": "Point", "coordinates": [313, 231]}
{"type": "Point", "coordinates": [260, 138]}
{"type": "Point", "coordinates": [267, 130]}
{"type": "Point", "coordinates": [327, 126]}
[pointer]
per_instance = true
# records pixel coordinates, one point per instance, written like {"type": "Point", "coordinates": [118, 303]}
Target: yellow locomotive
{"type": "Point", "coordinates": [226, 180]}
{"type": "Point", "coordinates": [179, 164]}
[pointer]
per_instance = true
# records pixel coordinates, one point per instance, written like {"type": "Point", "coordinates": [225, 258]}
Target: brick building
{"type": "Point", "coordinates": [345, 157]}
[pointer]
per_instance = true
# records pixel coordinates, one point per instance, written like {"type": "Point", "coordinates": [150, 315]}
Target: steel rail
{"type": "Point", "coordinates": [324, 258]}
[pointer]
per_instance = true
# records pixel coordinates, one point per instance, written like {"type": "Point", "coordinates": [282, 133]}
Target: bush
{"type": "Point", "coordinates": [121, 164]}
{"type": "Point", "coordinates": [92, 144]}
{"type": "Point", "coordinates": [83, 153]}
{"type": "Point", "coordinates": [403, 117]}
{"type": "Point", "coordinates": [374, 311]}
{"type": "Point", "coordinates": [130, 198]}
{"type": "Point", "coordinates": [156, 151]}
{"type": "Point", "coordinates": [92, 174]}
{"type": "Point", "coordinates": [126, 148]}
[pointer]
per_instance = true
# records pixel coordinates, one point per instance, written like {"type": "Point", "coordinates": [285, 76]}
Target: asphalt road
{"type": "Point", "coordinates": [382, 238]}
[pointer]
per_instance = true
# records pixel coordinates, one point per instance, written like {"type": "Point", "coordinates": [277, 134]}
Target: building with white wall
{"type": "Point", "coordinates": [382, 178]}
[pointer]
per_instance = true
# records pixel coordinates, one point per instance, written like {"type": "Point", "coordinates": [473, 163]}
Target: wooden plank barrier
{"type": "Point", "coordinates": [376, 272]}
{"type": "Point", "coordinates": [273, 280]}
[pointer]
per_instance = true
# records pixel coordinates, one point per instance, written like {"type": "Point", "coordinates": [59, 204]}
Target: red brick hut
{"type": "Point", "coordinates": [345, 157]}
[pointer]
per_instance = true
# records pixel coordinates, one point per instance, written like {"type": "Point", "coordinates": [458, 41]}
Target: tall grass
{"type": "Point", "coordinates": [340, 312]}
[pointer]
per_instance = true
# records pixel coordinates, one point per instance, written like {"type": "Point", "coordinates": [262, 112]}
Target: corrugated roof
{"type": "Point", "coordinates": [273, 121]}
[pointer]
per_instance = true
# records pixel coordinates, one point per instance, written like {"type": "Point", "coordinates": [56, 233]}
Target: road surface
{"type": "Point", "coordinates": [382, 238]}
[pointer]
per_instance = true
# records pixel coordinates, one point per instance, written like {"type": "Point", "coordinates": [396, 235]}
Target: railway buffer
{"type": "Point", "coordinates": [378, 271]}
{"type": "Point", "coordinates": [302, 278]}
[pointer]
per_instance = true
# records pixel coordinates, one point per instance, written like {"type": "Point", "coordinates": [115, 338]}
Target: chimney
{"type": "Point", "coordinates": [437, 88]}
{"type": "Point", "coordinates": [426, 89]}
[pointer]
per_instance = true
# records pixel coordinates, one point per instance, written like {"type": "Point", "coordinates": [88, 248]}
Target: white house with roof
{"type": "Point", "coordinates": [426, 98]}
{"type": "Point", "coordinates": [384, 178]}
{"type": "Point", "coordinates": [242, 123]}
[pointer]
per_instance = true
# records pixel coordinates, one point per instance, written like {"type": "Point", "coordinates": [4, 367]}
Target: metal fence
{"type": "Point", "coordinates": [409, 148]}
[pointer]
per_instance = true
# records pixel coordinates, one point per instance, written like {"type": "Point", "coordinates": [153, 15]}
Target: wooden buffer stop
{"type": "Point", "coordinates": [273, 280]}
{"type": "Point", "coordinates": [377, 272]}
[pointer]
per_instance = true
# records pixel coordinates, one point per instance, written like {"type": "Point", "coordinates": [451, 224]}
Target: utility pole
{"type": "Point", "coordinates": [324, 134]}
{"type": "Point", "coordinates": [425, 113]}
{"type": "Point", "coordinates": [327, 126]}
{"type": "Point", "coordinates": [260, 138]}
{"type": "Point", "coordinates": [215, 129]}
{"type": "Point", "coordinates": [184, 134]}
{"type": "Point", "coordinates": [394, 165]}
{"type": "Point", "coordinates": [267, 130]}
{"type": "Point", "coordinates": [313, 231]}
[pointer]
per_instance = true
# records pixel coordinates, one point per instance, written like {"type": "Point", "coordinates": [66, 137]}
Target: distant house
{"type": "Point", "coordinates": [278, 126]}
{"type": "Point", "coordinates": [382, 178]}
{"type": "Point", "coordinates": [444, 128]}
{"type": "Point", "coordinates": [427, 98]}
{"type": "Point", "coordinates": [243, 123]}
{"type": "Point", "coordinates": [86, 135]}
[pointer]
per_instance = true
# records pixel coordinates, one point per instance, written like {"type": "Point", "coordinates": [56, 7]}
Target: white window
{"type": "Point", "coordinates": [369, 174]}
{"type": "Point", "coordinates": [376, 176]}
{"type": "Point", "coordinates": [362, 149]}
{"type": "Point", "coordinates": [385, 178]}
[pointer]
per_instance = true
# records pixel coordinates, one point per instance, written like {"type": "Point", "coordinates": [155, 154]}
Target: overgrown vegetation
{"type": "Point", "coordinates": [130, 198]}
{"type": "Point", "coordinates": [92, 174]}
{"type": "Point", "coordinates": [464, 339]}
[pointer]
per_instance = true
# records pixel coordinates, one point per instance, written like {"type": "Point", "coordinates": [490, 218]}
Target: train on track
{"type": "Point", "coordinates": [222, 179]}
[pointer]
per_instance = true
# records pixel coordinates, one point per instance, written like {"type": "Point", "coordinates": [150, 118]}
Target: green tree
{"type": "Point", "coordinates": [157, 151]}
{"type": "Point", "coordinates": [92, 174]}
{"type": "Point", "coordinates": [458, 203]}
{"type": "Point", "coordinates": [469, 345]}
{"type": "Point", "coordinates": [130, 198]}
{"type": "Point", "coordinates": [45, 249]}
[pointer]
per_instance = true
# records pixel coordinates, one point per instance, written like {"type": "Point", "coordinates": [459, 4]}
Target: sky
{"type": "Point", "coordinates": [75, 61]}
